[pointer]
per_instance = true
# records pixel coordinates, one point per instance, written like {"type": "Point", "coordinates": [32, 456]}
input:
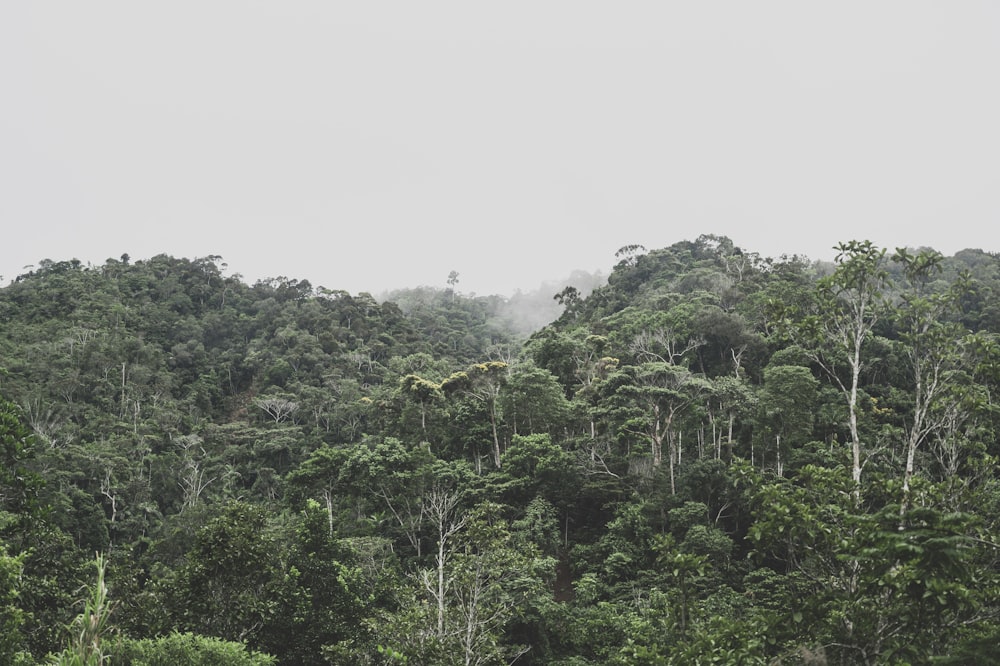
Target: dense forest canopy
{"type": "Point", "coordinates": [709, 457]}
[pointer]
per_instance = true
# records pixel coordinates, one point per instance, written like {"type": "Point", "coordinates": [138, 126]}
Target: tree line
{"type": "Point", "coordinates": [714, 457]}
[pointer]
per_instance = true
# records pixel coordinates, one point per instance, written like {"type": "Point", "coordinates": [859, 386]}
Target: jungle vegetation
{"type": "Point", "coordinates": [713, 457]}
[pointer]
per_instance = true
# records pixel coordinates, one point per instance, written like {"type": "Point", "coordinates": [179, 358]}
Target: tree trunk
{"type": "Point", "coordinates": [328, 498]}
{"type": "Point", "coordinates": [656, 439]}
{"type": "Point", "coordinates": [657, 450]}
{"type": "Point", "coordinates": [670, 455]}
{"type": "Point", "coordinates": [729, 438]}
{"type": "Point", "coordinates": [853, 410]}
{"type": "Point", "coordinates": [440, 585]}
{"type": "Point", "coordinates": [496, 437]}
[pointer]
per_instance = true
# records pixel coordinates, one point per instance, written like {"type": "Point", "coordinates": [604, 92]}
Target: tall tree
{"type": "Point", "coordinates": [848, 304]}
{"type": "Point", "coordinates": [482, 382]}
{"type": "Point", "coordinates": [787, 404]}
{"type": "Point", "coordinates": [651, 398]}
{"type": "Point", "coordinates": [424, 393]}
{"type": "Point", "coordinates": [936, 352]}
{"type": "Point", "coordinates": [229, 581]}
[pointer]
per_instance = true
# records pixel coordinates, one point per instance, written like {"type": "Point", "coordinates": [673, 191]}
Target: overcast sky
{"type": "Point", "coordinates": [372, 145]}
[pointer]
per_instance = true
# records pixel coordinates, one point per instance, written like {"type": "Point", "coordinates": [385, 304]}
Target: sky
{"type": "Point", "coordinates": [368, 146]}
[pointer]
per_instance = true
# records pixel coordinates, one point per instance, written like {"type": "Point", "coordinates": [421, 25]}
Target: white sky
{"type": "Point", "coordinates": [372, 145]}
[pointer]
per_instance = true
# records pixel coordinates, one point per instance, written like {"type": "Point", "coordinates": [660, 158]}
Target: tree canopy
{"type": "Point", "coordinates": [712, 457]}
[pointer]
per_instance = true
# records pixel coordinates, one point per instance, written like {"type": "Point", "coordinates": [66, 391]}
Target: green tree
{"type": "Point", "coordinates": [424, 393]}
{"type": "Point", "coordinates": [12, 616]}
{"type": "Point", "coordinates": [730, 398]}
{"type": "Point", "coordinates": [188, 649]}
{"type": "Point", "coordinates": [479, 585]}
{"type": "Point", "coordinates": [19, 485]}
{"type": "Point", "coordinates": [848, 305]}
{"type": "Point", "coordinates": [39, 564]}
{"type": "Point", "coordinates": [937, 355]}
{"type": "Point", "coordinates": [325, 611]}
{"type": "Point", "coordinates": [651, 399]}
{"type": "Point", "coordinates": [482, 382]}
{"type": "Point", "coordinates": [534, 401]}
{"type": "Point", "coordinates": [787, 404]}
{"type": "Point", "coordinates": [230, 584]}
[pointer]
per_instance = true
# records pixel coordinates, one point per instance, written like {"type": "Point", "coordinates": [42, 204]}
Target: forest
{"type": "Point", "coordinates": [710, 457]}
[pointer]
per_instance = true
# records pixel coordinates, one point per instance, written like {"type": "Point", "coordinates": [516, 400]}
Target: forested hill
{"type": "Point", "coordinates": [715, 457]}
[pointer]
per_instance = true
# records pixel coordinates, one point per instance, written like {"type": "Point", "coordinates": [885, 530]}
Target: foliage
{"type": "Point", "coordinates": [12, 616]}
{"type": "Point", "coordinates": [89, 631]}
{"type": "Point", "coordinates": [715, 457]}
{"type": "Point", "coordinates": [186, 648]}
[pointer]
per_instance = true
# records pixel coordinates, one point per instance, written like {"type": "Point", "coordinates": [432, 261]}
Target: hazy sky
{"type": "Point", "coordinates": [372, 145]}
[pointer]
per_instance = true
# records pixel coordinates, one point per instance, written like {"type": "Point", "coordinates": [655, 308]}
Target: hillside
{"type": "Point", "coordinates": [713, 457]}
